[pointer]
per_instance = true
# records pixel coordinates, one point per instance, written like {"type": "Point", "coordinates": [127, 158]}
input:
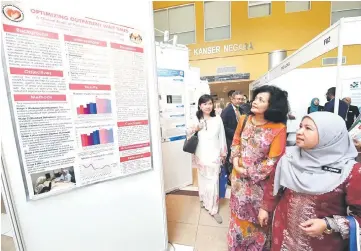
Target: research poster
{"type": "Point", "coordinates": [172, 89]}
{"type": "Point", "coordinates": [352, 89]}
{"type": "Point", "coordinates": [79, 98]}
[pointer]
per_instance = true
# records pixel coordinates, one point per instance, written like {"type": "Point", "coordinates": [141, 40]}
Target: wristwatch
{"type": "Point", "coordinates": [328, 229]}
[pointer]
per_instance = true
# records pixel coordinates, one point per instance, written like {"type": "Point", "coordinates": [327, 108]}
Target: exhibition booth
{"type": "Point", "coordinates": [94, 115]}
{"type": "Point", "coordinates": [303, 84]}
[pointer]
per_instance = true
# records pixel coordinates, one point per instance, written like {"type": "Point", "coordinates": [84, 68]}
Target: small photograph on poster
{"type": "Point", "coordinates": [54, 180]}
{"type": "Point", "coordinates": [135, 38]}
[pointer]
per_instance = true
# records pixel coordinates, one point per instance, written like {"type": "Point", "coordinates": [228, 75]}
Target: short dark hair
{"type": "Point", "coordinates": [230, 93]}
{"type": "Point", "coordinates": [331, 91]}
{"type": "Point", "coordinates": [204, 99]}
{"type": "Point", "coordinates": [278, 108]}
{"type": "Point", "coordinates": [235, 93]}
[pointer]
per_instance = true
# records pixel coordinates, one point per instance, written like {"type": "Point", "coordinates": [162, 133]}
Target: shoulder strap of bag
{"type": "Point", "coordinates": [196, 133]}
{"type": "Point", "coordinates": [244, 123]}
{"type": "Point", "coordinates": [354, 241]}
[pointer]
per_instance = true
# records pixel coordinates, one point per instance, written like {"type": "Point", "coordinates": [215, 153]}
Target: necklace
{"type": "Point", "coordinates": [254, 122]}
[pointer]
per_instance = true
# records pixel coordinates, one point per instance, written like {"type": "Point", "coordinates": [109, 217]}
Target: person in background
{"type": "Point", "coordinates": [245, 107]}
{"type": "Point", "coordinates": [66, 176]}
{"type": "Point", "coordinates": [330, 105]}
{"type": "Point", "coordinates": [352, 113]}
{"type": "Point", "coordinates": [210, 154]}
{"type": "Point", "coordinates": [246, 99]}
{"type": "Point", "coordinates": [230, 97]}
{"type": "Point", "coordinates": [230, 116]}
{"type": "Point", "coordinates": [314, 185]}
{"type": "Point", "coordinates": [255, 152]}
{"type": "Point", "coordinates": [315, 106]}
{"type": "Point", "coordinates": [218, 108]}
{"type": "Point", "coordinates": [42, 186]}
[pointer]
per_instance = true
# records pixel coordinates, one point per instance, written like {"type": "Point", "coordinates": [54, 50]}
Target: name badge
{"type": "Point", "coordinates": [331, 169]}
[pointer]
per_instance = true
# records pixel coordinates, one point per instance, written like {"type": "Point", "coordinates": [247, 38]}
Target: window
{"type": "Point", "coordinates": [217, 19]}
{"type": "Point", "coordinates": [259, 8]}
{"type": "Point", "coordinates": [340, 9]}
{"type": "Point", "coordinates": [297, 6]}
{"type": "Point", "coordinates": [178, 21]}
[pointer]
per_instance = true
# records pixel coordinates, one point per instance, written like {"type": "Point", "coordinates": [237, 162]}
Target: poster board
{"type": "Point", "coordinates": [108, 215]}
{"type": "Point", "coordinates": [76, 103]}
{"type": "Point", "coordinates": [173, 79]}
{"type": "Point", "coordinates": [352, 88]}
{"type": "Point", "coordinates": [172, 91]}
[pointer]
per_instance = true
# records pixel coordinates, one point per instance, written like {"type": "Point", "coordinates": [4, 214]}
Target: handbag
{"type": "Point", "coordinates": [190, 145]}
{"type": "Point", "coordinates": [223, 177]}
{"type": "Point", "coordinates": [354, 234]}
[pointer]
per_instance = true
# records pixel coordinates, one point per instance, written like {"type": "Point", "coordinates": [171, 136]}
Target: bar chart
{"type": "Point", "coordinates": [97, 137]}
{"type": "Point", "coordinates": [100, 106]}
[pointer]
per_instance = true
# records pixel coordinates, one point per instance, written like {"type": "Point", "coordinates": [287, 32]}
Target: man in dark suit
{"type": "Point", "coordinates": [230, 116]}
{"type": "Point", "coordinates": [330, 105]}
{"type": "Point", "coordinates": [352, 113]}
{"type": "Point", "coordinates": [230, 97]}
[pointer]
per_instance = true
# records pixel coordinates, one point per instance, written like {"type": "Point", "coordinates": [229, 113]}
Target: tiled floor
{"type": "Point", "coordinates": [190, 225]}
{"type": "Point", "coordinates": [7, 243]}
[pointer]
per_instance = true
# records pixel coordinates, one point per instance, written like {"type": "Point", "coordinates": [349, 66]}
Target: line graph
{"type": "Point", "coordinates": [98, 169]}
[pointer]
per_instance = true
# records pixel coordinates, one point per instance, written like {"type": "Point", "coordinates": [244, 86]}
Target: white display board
{"type": "Point", "coordinates": [352, 88]}
{"type": "Point", "coordinates": [76, 102]}
{"type": "Point", "coordinates": [109, 215]}
{"type": "Point", "coordinates": [303, 85]}
{"type": "Point", "coordinates": [173, 78]}
{"type": "Point", "coordinates": [339, 34]}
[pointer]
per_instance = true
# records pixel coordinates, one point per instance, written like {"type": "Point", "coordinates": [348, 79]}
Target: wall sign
{"type": "Point", "coordinates": [223, 49]}
{"type": "Point", "coordinates": [220, 78]}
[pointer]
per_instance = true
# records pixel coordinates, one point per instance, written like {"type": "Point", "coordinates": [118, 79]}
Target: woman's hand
{"type": "Point", "coordinates": [195, 129]}
{"type": "Point", "coordinates": [235, 162]}
{"type": "Point", "coordinates": [314, 227]}
{"type": "Point", "coordinates": [223, 160]}
{"type": "Point", "coordinates": [263, 217]}
{"type": "Point", "coordinates": [241, 170]}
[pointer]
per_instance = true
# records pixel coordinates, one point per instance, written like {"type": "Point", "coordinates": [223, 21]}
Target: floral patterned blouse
{"type": "Point", "coordinates": [259, 149]}
{"type": "Point", "coordinates": [293, 208]}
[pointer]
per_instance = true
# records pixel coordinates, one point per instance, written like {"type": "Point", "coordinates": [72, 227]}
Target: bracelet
{"type": "Point", "coordinates": [328, 229]}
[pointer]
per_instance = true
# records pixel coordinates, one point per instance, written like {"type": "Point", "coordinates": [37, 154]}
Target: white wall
{"type": "Point", "coordinates": [303, 85]}
{"type": "Point", "coordinates": [126, 214]}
